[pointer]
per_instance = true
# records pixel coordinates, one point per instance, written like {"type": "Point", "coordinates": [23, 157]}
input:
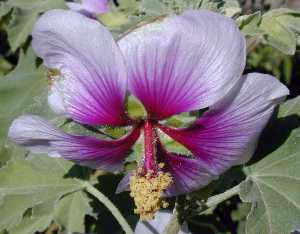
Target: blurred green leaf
{"type": "Point", "coordinates": [281, 26]}
{"type": "Point", "coordinates": [25, 184]}
{"type": "Point", "coordinates": [24, 16]}
{"type": "Point", "coordinates": [231, 8]}
{"type": "Point", "coordinates": [31, 225]}
{"type": "Point", "coordinates": [268, 59]}
{"type": "Point", "coordinates": [287, 69]}
{"type": "Point", "coordinates": [273, 184]}
{"type": "Point", "coordinates": [113, 19]}
{"type": "Point", "coordinates": [249, 24]}
{"type": "Point", "coordinates": [4, 8]}
{"type": "Point", "coordinates": [130, 7]}
{"type": "Point", "coordinates": [5, 66]}
{"type": "Point", "coordinates": [135, 108]}
{"type": "Point", "coordinates": [278, 36]}
{"type": "Point", "coordinates": [22, 90]}
{"type": "Point", "coordinates": [154, 7]}
{"type": "Point", "coordinates": [20, 27]}
{"type": "Point", "coordinates": [70, 212]}
{"type": "Point", "coordinates": [241, 212]}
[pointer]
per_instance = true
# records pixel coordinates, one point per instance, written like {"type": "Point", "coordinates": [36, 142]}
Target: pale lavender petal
{"type": "Point", "coordinates": [185, 62]}
{"type": "Point", "coordinates": [227, 133]}
{"type": "Point", "coordinates": [158, 224]}
{"type": "Point", "coordinates": [93, 75]}
{"type": "Point", "coordinates": [96, 6]}
{"type": "Point", "coordinates": [90, 8]}
{"type": "Point", "coordinates": [39, 136]}
{"type": "Point", "coordinates": [188, 173]}
{"type": "Point", "coordinates": [56, 100]}
{"type": "Point", "coordinates": [124, 183]}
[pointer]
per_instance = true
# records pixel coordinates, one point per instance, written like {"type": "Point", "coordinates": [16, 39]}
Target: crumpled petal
{"type": "Point", "coordinates": [92, 79]}
{"type": "Point", "coordinates": [90, 8]}
{"type": "Point", "coordinates": [185, 62]}
{"type": "Point", "coordinates": [188, 174]}
{"type": "Point", "coordinates": [39, 136]}
{"type": "Point", "coordinates": [158, 224]}
{"type": "Point", "coordinates": [227, 133]}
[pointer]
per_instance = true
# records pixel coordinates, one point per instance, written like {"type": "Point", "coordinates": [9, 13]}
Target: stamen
{"type": "Point", "coordinates": [147, 191]}
{"type": "Point", "coordinates": [52, 74]}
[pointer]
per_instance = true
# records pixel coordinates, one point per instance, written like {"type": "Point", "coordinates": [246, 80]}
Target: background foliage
{"type": "Point", "coordinates": [46, 195]}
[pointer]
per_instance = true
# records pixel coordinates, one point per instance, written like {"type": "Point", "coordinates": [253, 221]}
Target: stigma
{"type": "Point", "coordinates": [147, 190]}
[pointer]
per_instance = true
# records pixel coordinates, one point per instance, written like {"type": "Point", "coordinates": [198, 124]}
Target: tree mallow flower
{"type": "Point", "coordinates": [180, 64]}
{"type": "Point", "coordinates": [90, 8]}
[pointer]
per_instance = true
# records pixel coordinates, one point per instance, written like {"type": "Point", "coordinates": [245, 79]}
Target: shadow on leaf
{"type": "Point", "coordinates": [275, 134]}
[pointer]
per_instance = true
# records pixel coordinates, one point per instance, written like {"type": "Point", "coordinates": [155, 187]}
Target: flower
{"type": "Point", "coordinates": [180, 64]}
{"type": "Point", "coordinates": [90, 8]}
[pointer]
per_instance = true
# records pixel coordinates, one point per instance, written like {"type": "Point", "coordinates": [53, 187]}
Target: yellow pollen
{"type": "Point", "coordinates": [51, 75]}
{"type": "Point", "coordinates": [147, 192]}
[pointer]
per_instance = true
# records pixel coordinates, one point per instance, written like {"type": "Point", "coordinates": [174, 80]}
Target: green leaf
{"type": "Point", "coordinates": [31, 225]}
{"type": "Point", "coordinates": [30, 184]}
{"type": "Point", "coordinates": [278, 36]}
{"type": "Point", "coordinates": [21, 91]}
{"type": "Point", "coordinates": [113, 19]}
{"type": "Point", "coordinates": [129, 7]}
{"type": "Point", "coordinates": [249, 24]}
{"type": "Point", "coordinates": [5, 66]}
{"type": "Point", "coordinates": [24, 16]}
{"type": "Point", "coordinates": [20, 27]}
{"type": "Point", "coordinates": [231, 8]}
{"type": "Point", "coordinates": [282, 27]}
{"type": "Point", "coordinates": [241, 212]}
{"type": "Point", "coordinates": [71, 210]}
{"type": "Point", "coordinates": [37, 5]}
{"type": "Point", "coordinates": [154, 8]}
{"type": "Point", "coordinates": [273, 184]}
{"type": "Point", "coordinates": [4, 8]}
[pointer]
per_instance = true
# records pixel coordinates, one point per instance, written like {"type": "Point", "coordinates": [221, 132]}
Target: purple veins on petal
{"type": "Point", "coordinates": [39, 136]}
{"type": "Point", "coordinates": [227, 133]}
{"type": "Point", "coordinates": [180, 64]}
{"type": "Point", "coordinates": [188, 174]}
{"type": "Point", "coordinates": [92, 81]}
{"type": "Point", "coordinates": [183, 63]}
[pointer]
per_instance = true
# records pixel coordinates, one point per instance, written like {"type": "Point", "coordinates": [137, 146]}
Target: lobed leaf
{"type": "Point", "coordinates": [25, 14]}
{"type": "Point", "coordinates": [273, 184]}
{"type": "Point", "coordinates": [21, 91]}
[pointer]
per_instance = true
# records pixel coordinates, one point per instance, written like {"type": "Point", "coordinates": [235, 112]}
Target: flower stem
{"type": "Point", "coordinates": [112, 208]}
{"type": "Point", "coordinates": [217, 199]}
{"type": "Point", "coordinates": [174, 225]}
